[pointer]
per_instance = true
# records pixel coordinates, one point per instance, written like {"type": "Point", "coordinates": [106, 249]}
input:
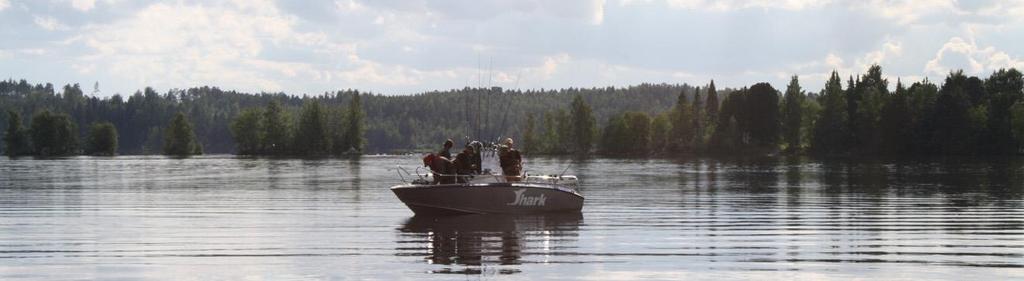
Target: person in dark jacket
{"type": "Point", "coordinates": [511, 161]}
{"type": "Point", "coordinates": [464, 165]}
{"type": "Point", "coordinates": [446, 152]}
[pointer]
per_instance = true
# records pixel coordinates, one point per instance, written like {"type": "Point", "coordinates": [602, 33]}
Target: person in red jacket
{"type": "Point", "coordinates": [440, 167]}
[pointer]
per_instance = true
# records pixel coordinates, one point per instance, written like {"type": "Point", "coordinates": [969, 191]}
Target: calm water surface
{"type": "Point", "coordinates": [221, 217]}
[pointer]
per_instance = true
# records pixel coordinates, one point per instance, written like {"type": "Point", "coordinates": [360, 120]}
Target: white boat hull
{"type": "Point", "coordinates": [488, 198]}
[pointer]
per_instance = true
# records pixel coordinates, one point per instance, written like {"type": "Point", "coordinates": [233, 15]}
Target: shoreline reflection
{"type": "Point", "coordinates": [488, 244]}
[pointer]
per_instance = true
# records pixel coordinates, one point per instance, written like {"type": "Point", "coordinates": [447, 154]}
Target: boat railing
{"type": "Point", "coordinates": [423, 174]}
{"type": "Point", "coordinates": [464, 177]}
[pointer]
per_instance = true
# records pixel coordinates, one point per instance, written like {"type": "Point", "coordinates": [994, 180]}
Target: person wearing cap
{"type": "Point", "coordinates": [477, 157]}
{"type": "Point", "coordinates": [511, 161]}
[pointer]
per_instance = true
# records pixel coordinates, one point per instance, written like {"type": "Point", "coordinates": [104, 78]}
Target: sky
{"type": "Point", "coordinates": [407, 47]}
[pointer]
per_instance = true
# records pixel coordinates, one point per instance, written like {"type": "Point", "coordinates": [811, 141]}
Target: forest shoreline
{"type": "Point", "coordinates": [964, 115]}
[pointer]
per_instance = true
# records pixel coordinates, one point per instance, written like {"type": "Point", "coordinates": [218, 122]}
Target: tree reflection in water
{"type": "Point", "coordinates": [477, 243]}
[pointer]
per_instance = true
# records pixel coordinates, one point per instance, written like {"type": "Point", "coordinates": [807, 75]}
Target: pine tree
{"type": "Point", "coordinates": [1006, 88]}
{"type": "Point", "coordinates": [584, 126]}
{"type": "Point", "coordinates": [311, 137]}
{"type": "Point", "coordinates": [180, 138]}
{"type": "Point", "coordinates": [831, 131]}
{"type": "Point", "coordinates": [247, 129]}
{"type": "Point", "coordinates": [355, 127]}
{"type": "Point", "coordinates": [530, 142]}
{"type": "Point", "coordinates": [698, 119]}
{"type": "Point", "coordinates": [53, 134]}
{"type": "Point", "coordinates": [682, 125]}
{"type": "Point", "coordinates": [1017, 124]}
{"type": "Point", "coordinates": [852, 111]}
{"type": "Point", "coordinates": [895, 122]}
{"type": "Point", "coordinates": [793, 115]}
{"type": "Point", "coordinates": [762, 115]}
{"type": "Point", "coordinates": [16, 137]}
{"type": "Point", "coordinates": [712, 105]}
{"type": "Point", "coordinates": [639, 132]}
{"type": "Point", "coordinates": [277, 129]}
{"type": "Point", "coordinates": [615, 136]}
{"type": "Point", "coordinates": [102, 139]}
{"type": "Point", "coordinates": [661, 126]}
{"type": "Point", "coordinates": [872, 91]}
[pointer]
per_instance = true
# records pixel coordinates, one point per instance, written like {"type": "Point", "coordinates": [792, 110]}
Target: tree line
{"type": "Point", "coordinates": [55, 135]}
{"type": "Point", "coordinates": [963, 115]}
{"type": "Point", "coordinates": [319, 131]}
{"type": "Point", "coordinates": [391, 124]}
{"type": "Point", "coordinates": [966, 115]}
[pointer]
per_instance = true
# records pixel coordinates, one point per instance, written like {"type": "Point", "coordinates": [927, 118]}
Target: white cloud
{"type": "Point", "coordinates": [49, 23]}
{"type": "Point", "coordinates": [958, 53]}
{"type": "Point", "coordinates": [416, 45]}
{"type": "Point", "coordinates": [597, 17]}
{"type": "Point", "coordinates": [901, 11]}
{"type": "Point", "coordinates": [909, 11]}
{"type": "Point", "coordinates": [551, 64]}
{"type": "Point", "coordinates": [730, 5]}
{"type": "Point", "coordinates": [814, 73]}
{"type": "Point", "coordinates": [889, 49]}
{"type": "Point", "coordinates": [175, 45]}
{"type": "Point", "coordinates": [590, 11]}
{"type": "Point", "coordinates": [83, 5]}
{"type": "Point", "coordinates": [33, 51]}
{"type": "Point", "coordinates": [348, 5]}
{"type": "Point", "coordinates": [233, 45]}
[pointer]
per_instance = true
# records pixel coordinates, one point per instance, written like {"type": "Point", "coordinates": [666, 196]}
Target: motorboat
{"type": "Point", "coordinates": [489, 192]}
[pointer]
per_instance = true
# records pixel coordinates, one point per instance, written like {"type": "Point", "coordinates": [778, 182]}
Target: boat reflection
{"type": "Point", "coordinates": [488, 244]}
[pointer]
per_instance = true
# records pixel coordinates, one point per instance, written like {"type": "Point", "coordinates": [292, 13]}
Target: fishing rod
{"type": "Point", "coordinates": [504, 116]}
{"type": "Point", "coordinates": [565, 170]}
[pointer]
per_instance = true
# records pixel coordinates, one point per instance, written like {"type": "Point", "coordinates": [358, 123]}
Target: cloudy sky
{"type": "Point", "coordinates": [404, 47]}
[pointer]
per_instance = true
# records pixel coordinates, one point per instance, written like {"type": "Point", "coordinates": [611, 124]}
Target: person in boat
{"type": "Point", "coordinates": [464, 163]}
{"type": "Point", "coordinates": [510, 160]}
{"type": "Point", "coordinates": [446, 151]}
{"type": "Point", "coordinates": [477, 158]}
{"type": "Point", "coordinates": [441, 168]}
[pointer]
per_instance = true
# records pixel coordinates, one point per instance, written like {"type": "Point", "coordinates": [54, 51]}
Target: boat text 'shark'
{"type": "Point", "coordinates": [526, 200]}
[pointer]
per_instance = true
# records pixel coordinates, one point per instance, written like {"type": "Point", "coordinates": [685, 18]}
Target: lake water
{"type": "Point", "coordinates": [221, 217]}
